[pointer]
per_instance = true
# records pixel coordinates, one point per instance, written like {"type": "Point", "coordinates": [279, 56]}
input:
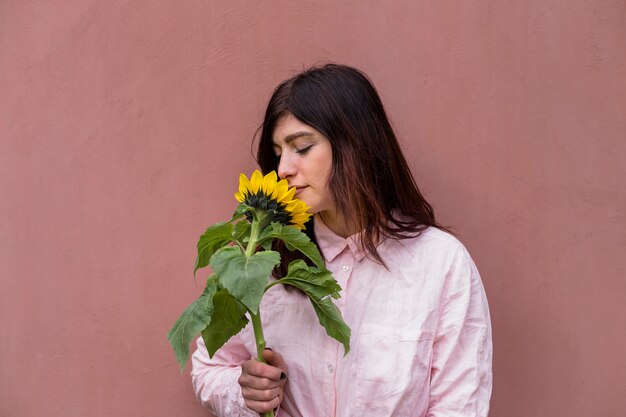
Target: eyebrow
{"type": "Point", "coordinates": [296, 135]}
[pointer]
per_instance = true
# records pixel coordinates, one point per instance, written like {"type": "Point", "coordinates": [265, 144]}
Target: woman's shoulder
{"type": "Point", "coordinates": [431, 243]}
{"type": "Point", "coordinates": [429, 237]}
{"type": "Point", "coordinates": [438, 236]}
{"type": "Point", "coordinates": [432, 237]}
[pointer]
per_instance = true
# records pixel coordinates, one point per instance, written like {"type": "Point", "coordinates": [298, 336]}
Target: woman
{"type": "Point", "coordinates": [421, 334]}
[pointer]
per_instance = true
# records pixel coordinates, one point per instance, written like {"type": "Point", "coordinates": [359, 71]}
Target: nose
{"type": "Point", "coordinates": [286, 167]}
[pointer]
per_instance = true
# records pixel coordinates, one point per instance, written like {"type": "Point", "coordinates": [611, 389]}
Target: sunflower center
{"type": "Point", "coordinates": [277, 211]}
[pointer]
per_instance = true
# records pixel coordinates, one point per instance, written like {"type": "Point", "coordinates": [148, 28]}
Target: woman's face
{"type": "Point", "coordinates": [305, 161]}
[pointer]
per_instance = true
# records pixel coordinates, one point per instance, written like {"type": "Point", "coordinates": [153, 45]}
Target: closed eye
{"type": "Point", "coordinates": [303, 150]}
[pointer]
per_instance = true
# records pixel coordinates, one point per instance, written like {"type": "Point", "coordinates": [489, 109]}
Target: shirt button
{"type": "Point", "coordinates": [345, 268]}
{"type": "Point", "coordinates": [330, 368]}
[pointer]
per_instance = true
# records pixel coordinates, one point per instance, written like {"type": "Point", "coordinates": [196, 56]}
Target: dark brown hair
{"type": "Point", "coordinates": [370, 181]}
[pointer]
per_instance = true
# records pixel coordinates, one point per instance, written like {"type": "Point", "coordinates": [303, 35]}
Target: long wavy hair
{"type": "Point", "coordinates": [370, 181]}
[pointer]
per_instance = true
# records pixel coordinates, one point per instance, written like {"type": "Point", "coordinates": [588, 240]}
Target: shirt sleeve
{"type": "Point", "coordinates": [461, 378]}
{"type": "Point", "coordinates": [215, 379]}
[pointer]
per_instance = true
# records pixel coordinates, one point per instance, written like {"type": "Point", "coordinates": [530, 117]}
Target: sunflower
{"type": "Point", "coordinates": [273, 196]}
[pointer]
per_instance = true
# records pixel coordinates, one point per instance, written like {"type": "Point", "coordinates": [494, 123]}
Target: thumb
{"type": "Point", "coordinates": [275, 359]}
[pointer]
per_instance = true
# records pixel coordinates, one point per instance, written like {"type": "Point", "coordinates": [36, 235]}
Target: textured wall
{"type": "Point", "coordinates": [124, 124]}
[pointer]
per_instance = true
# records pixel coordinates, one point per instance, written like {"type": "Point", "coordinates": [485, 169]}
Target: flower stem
{"type": "Point", "coordinates": [260, 220]}
{"type": "Point", "coordinates": [260, 344]}
{"type": "Point", "coordinates": [271, 284]}
{"type": "Point", "coordinates": [254, 236]}
{"type": "Point", "coordinates": [257, 225]}
{"type": "Point", "coordinates": [258, 335]}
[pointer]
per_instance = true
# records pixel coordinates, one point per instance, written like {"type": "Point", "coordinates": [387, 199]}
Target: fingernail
{"type": "Point", "coordinates": [270, 349]}
{"type": "Point", "coordinates": [283, 375]}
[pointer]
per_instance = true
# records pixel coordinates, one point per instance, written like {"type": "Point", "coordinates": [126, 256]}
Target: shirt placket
{"type": "Point", "coordinates": [341, 268]}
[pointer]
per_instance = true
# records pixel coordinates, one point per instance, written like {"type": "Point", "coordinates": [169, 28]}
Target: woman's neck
{"type": "Point", "coordinates": [338, 223]}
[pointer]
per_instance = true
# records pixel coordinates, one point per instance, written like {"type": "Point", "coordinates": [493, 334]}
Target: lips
{"type": "Point", "coordinates": [300, 188]}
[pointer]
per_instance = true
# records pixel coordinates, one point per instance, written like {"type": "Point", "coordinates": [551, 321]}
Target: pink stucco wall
{"type": "Point", "coordinates": [124, 124]}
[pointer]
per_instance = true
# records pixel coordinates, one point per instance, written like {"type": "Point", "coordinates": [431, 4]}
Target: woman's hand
{"type": "Point", "coordinates": [262, 383]}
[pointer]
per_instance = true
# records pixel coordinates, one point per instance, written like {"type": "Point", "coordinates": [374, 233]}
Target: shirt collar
{"type": "Point", "coordinates": [332, 245]}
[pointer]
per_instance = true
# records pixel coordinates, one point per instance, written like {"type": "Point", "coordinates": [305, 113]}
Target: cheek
{"type": "Point", "coordinates": [319, 171]}
{"type": "Point", "coordinates": [323, 176]}
{"type": "Point", "coordinates": [323, 167]}
{"type": "Point", "coordinates": [323, 195]}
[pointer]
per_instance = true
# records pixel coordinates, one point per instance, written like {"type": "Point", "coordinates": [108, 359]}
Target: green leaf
{"type": "Point", "coordinates": [314, 282]}
{"type": "Point", "coordinates": [240, 210]}
{"type": "Point", "coordinates": [319, 285]}
{"type": "Point", "coordinates": [266, 245]}
{"type": "Point", "coordinates": [244, 277]}
{"type": "Point", "coordinates": [294, 240]}
{"type": "Point", "coordinates": [214, 238]}
{"type": "Point", "coordinates": [330, 317]}
{"type": "Point", "coordinates": [241, 233]}
{"type": "Point", "coordinates": [192, 321]}
{"type": "Point", "coordinates": [229, 317]}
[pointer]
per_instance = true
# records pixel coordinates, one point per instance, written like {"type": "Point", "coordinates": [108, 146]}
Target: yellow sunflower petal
{"type": "Point", "coordinates": [280, 193]}
{"type": "Point", "coordinates": [300, 221]}
{"type": "Point", "coordinates": [269, 183]}
{"type": "Point", "coordinates": [288, 195]}
{"type": "Point", "coordinates": [299, 213]}
{"type": "Point", "coordinates": [305, 208]}
{"type": "Point", "coordinates": [296, 206]}
{"type": "Point", "coordinates": [301, 218]}
{"type": "Point", "coordinates": [255, 181]}
{"type": "Point", "coordinates": [244, 188]}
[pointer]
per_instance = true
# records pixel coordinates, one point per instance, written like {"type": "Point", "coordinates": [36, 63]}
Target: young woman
{"type": "Point", "coordinates": [421, 333]}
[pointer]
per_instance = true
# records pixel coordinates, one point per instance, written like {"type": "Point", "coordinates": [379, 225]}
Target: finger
{"type": "Point", "coordinates": [260, 395]}
{"type": "Point", "coordinates": [249, 379]}
{"type": "Point", "coordinates": [275, 359]}
{"type": "Point", "coordinates": [258, 383]}
{"type": "Point", "coordinates": [263, 406]}
{"type": "Point", "coordinates": [262, 370]}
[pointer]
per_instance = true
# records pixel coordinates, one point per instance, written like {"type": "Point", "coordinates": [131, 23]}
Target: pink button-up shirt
{"type": "Point", "coordinates": [420, 345]}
